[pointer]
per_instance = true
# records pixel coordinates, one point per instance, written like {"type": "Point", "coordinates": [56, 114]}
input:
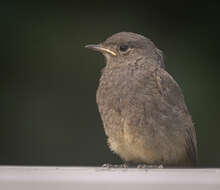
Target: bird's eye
{"type": "Point", "coordinates": [123, 48]}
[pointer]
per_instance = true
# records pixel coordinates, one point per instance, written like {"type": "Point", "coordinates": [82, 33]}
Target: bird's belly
{"type": "Point", "coordinates": [131, 147]}
{"type": "Point", "coordinates": [131, 152]}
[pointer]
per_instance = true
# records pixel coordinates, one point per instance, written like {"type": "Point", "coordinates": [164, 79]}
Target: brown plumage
{"type": "Point", "coordinates": [142, 107]}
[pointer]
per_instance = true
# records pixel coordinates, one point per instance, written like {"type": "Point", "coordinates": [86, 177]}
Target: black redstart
{"type": "Point", "coordinates": [142, 107]}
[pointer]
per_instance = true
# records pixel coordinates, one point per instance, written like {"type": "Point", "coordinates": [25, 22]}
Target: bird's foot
{"type": "Point", "coordinates": [107, 165]}
{"type": "Point", "coordinates": [144, 166]}
{"type": "Point", "coordinates": [115, 165]}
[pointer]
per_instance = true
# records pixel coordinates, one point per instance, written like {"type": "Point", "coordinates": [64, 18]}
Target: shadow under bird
{"type": "Point", "coordinates": [142, 107]}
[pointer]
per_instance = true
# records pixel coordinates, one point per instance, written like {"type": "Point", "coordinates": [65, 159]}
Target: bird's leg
{"type": "Point", "coordinates": [130, 164]}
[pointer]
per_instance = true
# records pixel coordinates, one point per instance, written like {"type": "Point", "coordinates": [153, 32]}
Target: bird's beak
{"type": "Point", "coordinates": [100, 48]}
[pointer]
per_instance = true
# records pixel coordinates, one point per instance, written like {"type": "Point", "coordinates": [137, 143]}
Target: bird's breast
{"type": "Point", "coordinates": [114, 89]}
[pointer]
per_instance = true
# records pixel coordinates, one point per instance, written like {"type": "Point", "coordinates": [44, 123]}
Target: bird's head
{"type": "Point", "coordinates": [127, 47]}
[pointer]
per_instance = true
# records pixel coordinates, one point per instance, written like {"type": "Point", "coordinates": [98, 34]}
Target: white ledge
{"type": "Point", "coordinates": [97, 178]}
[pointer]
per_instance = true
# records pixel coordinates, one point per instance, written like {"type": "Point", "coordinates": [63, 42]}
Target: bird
{"type": "Point", "coordinates": [142, 107]}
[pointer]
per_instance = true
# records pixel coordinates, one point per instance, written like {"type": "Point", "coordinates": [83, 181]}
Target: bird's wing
{"type": "Point", "coordinates": [172, 95]}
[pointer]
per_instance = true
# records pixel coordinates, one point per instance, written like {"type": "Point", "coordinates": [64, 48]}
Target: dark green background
{"type": "Point", "coordinates": [48, 79]}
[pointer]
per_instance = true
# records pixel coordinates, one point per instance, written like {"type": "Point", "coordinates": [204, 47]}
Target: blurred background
{"type": "Point", "coordinates": [48, 79]}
